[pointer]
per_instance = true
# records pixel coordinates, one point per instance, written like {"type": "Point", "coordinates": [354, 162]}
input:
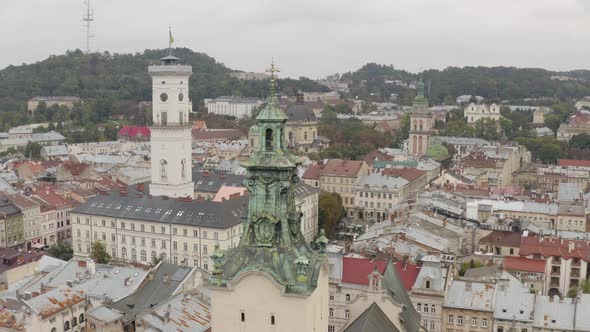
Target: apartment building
{"type": "Point", "coordinates": [340, 176]}
{"type": "Point", "coordinates": [468, 306]}
{"type": "Point", "coordinates": [141, 228]}
{"type": "Point", "coordinates": [31, 213]}
{"type": "Point", "coordinates": [566, 261]}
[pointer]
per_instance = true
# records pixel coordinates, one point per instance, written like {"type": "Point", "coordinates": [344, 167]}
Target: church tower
{"type": "Point", "coordinates": [171, 132]}
{"type": "Point", "coordinates": [273, 280]}
{"type": "Point", "coordinates": [420, 124]}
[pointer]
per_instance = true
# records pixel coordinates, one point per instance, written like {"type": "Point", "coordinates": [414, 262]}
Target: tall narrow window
{"type": "Point", "coordinates": [268, 140]}
{"type": "Point", "coordinates": [272, 319]}
{"type": "Point", "coordinates": [164, 121]}
{"type": "Point", "coordinates": [183, 168]}
{"type": "Point", "coordinates": [243, 316]}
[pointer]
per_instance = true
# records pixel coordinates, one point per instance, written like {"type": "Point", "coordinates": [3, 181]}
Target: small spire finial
{"type": "Point", "coordinates": [273, 86]}
{"type": "Point", "coordinates": [170, 39]}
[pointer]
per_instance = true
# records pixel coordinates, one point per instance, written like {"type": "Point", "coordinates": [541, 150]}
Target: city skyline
{"type": "Point", "coordinates": [315, 39]}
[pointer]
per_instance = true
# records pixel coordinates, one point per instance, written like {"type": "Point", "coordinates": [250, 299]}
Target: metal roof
{"type": "Point", "coordinates": [135, 206]}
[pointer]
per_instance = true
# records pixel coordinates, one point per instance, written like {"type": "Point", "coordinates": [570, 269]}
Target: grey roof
{"type": "Point", "coordinates": [568, 192]}
{"type": "Point", "coordinates": [377, 180]}
{"type": "Point", "coordinates": [104, 314]}
{"type": "Point", "coordinates": [571, 210]}
{"type": "Point", "coordinates": [471, 295]}
{"type": "Point", "coordinates": [553, 313]}
{"type": "Point", "coordinates": [303, 190]}
{"type": "Point", "coordinates": [108, 281]}
{"type": "Point", "coordinates": [54, 301]}
{"type": "Point", "coordinates": [514, 301]}
{"type": "Point", "coordinates": [211, 182]}
{"type": "Point", "coordinates": [50, 136]}
{"type": "Point", "coordinates": [186, 314]}
{"type": "Point", "coordinates": [167, 278]}
{"type": "Point", "coordinates": [300, 112]}
{"type": "Point", "coordinates": [431, 270]}
{"type": "Point", "coordinates": [235, 100]}
{"type": "Point", "coordinates": [220, 215]}
{"type": "Point", "coordinates": [461, 140]}
{"type": "Point", "coordinates": [393, 283]}
{"type": "Point", "coordinates": [373, 319]}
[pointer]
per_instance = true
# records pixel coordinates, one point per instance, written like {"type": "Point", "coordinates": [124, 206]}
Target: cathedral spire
{"type": "Point", "coordinates": [273, 84]}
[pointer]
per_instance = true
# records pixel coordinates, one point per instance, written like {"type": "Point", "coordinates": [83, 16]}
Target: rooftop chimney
{"type": "Point", "coordinates": [91, 266]}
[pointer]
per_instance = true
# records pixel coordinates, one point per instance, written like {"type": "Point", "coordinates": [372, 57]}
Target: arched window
{"type": "Point", "coordinates": [123, 253]}
{"type": "Point", "coordinates": [243, 316]}
{"type": "Point", "coordinates": [183, 168]}
{"type": "Point", "coordinates": [133, 254]}
{"type": "Point", "coordinates": [81, 318]}
{"type": "Point", "coordinates": [163, 171]}
{"type": "Point", "coordinates": [420, 144]}
{"type": "Point", "coordinates": [143, 256]}
{"type": "Point", "coordinates": [331, 312]}
{"type": "Point", "coordinates": [414, 145]}
{"type": "Point", "coordinates": [346, 314]}
{"type": "Point", "coordinates": [415, 125]}
{"type": "Point", "coordinates": [67, 325]}
{"type": "Point", "coordinates": [305, 135]}
{"type": "Point", "coordinates": [427, 283]}
{"type": "Point", "coordinates": [54, 330]}
{"type": "Point", "coordinates": [74, 321]}
{"type": "Point", "coordinates": [347, 297]}
{"type": "Point", "coordinates": [268, 140]}
{"type": "Point", "coordinates": [421, 124]}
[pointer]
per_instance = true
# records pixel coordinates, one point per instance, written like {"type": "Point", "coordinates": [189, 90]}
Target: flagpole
{"type": "Point", "coordinates": [169, 39]}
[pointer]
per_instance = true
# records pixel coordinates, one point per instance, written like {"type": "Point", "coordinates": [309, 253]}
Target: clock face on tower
{"type": "Point", "coordinates": [164, 96]}
{"type": "Point", "coordinates": [180, 96]}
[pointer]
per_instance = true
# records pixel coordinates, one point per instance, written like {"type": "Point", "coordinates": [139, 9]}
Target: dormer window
{"type": "Point", "coordinates": [427, 284]}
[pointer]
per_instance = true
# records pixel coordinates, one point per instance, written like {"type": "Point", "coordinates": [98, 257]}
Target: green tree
{"type": "Point", "coordinates": [487, 129]}
{"type": "Point", "coordinates": [61, 250]}
{"type": "Point", "coordinates": [33, 150]}
{"type": "Point", "coordinates": [330, 211]}
{"type": "Point", "coordinates": [552, 121]}
{"type": "Point", "coordinates": [581, 141]}
{"type": "Point", "coordinates": [458, 128]}
{"type": "Point", "coordinates": [98, 252]}
{"type": "Point", "coordinates": [550, 153]}
{"type": "Point", "coordinates": [586, 286]}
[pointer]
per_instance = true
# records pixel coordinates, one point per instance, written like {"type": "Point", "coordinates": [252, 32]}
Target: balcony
{"type": "Point", "coordinates": [556, 273]}
{"type": "Point", "coordinates": [575, 274]}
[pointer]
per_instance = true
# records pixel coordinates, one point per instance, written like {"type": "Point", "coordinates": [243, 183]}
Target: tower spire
{"type": "Point", "coordinates": [273, 84]}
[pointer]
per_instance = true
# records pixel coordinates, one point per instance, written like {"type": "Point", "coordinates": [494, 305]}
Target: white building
{"type": "Point", "coordinates": [476, 111]}
{"type": "Point", "coordinates": [171, 133]}
{"type": "Point", "coordinates": [239, 107]}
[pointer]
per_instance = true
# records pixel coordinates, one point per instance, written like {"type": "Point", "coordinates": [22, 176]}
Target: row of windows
{"type": "Point", "coordinates": [376, 195]}
{"type": "Point", "coordinates": [426, 307]}
{"type": "Point", "coordinates": [142, 228]}
{"type": "Point", "coordinates": [459, 321]}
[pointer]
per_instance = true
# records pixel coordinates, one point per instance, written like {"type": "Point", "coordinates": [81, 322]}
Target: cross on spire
{"type": "Point", "coordinates": [272, 70]}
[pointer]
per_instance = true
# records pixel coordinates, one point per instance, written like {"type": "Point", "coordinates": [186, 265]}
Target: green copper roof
{"type": "Point", "coordinates": [420, 99]}
{"type": "Point", "coordinates": [271, 242]}
{"type": "Point", "coordinates": [271, 112]}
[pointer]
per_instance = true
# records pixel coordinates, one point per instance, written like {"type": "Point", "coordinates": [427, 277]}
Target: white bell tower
{"type": "Point", "coordinates": [171, 133]}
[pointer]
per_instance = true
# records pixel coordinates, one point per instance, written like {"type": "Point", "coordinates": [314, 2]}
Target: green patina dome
{"type": "Point", "coordinates": [438, 152]}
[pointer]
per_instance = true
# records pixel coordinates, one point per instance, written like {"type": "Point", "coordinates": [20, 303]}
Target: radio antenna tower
{"type": "Point", "coordinates": [88, 18]}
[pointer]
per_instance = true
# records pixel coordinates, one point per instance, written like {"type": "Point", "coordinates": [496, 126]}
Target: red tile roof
{"type": "Point", "coordinates": [134, 131]}
{"type": "Point", "coordinates": [356, 271]}
{"type": "Point", "coordinates": [547, 247]}
{"type": "Point", "coordinates": [75, 169]}
{"type": "Point", "coordinates": [524, 264]}
{"type": "Point", "coordinates": [408, 274]}
{"type": "Point", "coordinates": [502, 238]}
{"type": "Point", "coordinates": [312, 172]}
{"type": "Point", "coordinates": [339, 167]}
{"type": "Point", "coordinates": [574, 163]}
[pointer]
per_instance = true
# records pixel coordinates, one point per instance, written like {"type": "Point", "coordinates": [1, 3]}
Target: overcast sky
{"type": "Point", "coordinates": [312, 37]}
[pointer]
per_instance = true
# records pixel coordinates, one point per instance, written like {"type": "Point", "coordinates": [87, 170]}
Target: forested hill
{"type": "Point", "coordinates": [445, 85]}
{"type": "Point", "coordinates": [119, 78]}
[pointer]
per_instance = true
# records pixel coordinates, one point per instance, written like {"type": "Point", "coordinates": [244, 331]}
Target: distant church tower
{"type": "Point", "coordinates": [171, 133]}
{"type": "Point", "coordinates": [273, 280]}
{"type": "Point", "coordinates": [420, 124]}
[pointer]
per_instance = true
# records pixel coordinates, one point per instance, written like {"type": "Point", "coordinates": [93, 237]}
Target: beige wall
{"type": "Point", "coordinates": [292, 313]}
{"type": "Point", "coordinates": [467, 316]}
{"type": "Point", "coordinates": [192, 248]}
{"type": "Point", "coordinates": [571, 223]}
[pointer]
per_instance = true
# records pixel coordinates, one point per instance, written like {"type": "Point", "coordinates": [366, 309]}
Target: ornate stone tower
{"type": "Point", "coordinates": [171, 133]}
{"type": "Point", "coordinates": [273, 281]}
{"type": "Point", "coordinates": [420, 123]}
